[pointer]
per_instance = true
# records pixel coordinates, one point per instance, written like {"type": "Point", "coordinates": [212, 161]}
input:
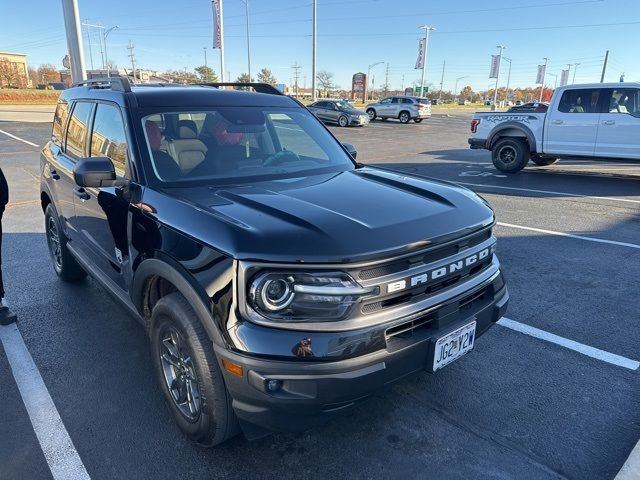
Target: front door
{"type": "Point", "coordinates": [619, 129]}
{"type": "Point", "coordinates": [572, 127]}
{"type": "Point", "coordinates": [101, 214]}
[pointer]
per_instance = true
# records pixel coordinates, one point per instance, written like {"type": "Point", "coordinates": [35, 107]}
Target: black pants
{"type": "Point", "coordinates": [1, 284]}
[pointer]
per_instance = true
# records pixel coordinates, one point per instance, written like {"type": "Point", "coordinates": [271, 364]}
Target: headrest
{"type": "Point", "coordinates": [153, 134]}
{"type": "Point", "coordinates": [187, 129]}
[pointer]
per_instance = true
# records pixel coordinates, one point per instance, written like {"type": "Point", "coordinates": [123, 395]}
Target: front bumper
{"type": "Point", "coordinates": [360, 120]}
{"type": "Point", "coordinates": [311, 391]}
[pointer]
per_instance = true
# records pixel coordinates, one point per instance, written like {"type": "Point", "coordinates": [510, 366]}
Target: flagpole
{"type": "Point", "coordinates": [427, 29]}
{"type": "Point", "coordinates": [218, 29]}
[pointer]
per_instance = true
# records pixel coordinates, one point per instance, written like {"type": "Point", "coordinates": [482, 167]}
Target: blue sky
{"type": "Point", "coordinates": [351, 35]}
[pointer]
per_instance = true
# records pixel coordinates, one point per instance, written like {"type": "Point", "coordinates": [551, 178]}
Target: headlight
{"type": "Point", "coordinates": [304, 296]}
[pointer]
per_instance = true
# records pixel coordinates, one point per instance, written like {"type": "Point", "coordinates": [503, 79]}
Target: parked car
{"type": "Point", "coordinates": [600, 120]}
{"type": "Point", "coordinates": [539, 107]}
{"type": "Point", "coordinates": [279, 281]}
{"type": "Point", "coordinates": [404, 109]}
{"type": "Point", "coordinates": [339, 112]}
{"type": "Point", "coordinates": [464, 102]}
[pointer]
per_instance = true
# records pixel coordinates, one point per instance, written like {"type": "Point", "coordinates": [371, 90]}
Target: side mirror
{"type": "Point", "coordinates": [94, 172]}
{"type": "Point", "coordinates": [351, 149]}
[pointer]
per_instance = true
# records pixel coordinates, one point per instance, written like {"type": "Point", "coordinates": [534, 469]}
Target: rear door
{"type": "Point", "coordinates": [571, 128]}
{"type": "Point", "coordinates": [101, 213]}
{"type": "Point", "coordinates": [619, 129]}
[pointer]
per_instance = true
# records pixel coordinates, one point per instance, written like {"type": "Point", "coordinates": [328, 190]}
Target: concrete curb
{"type": "Point", "coordinates": [631, 468]}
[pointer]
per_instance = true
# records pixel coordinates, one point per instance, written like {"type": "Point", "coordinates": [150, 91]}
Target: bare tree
{"type": "Point", "coordinates": [9, 76]}
{"type": "Point", "coordinates": [325, 81]}
{"type": "Point", "coordinates": [48, 73]}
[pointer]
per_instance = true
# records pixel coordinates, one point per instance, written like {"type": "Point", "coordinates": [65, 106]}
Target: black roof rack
{"type": "Point", "coordinates": [115, 83]}
{"type": "Point", "coordinates": [258, 87]}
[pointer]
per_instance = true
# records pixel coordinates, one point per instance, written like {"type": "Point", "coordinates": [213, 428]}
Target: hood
{"type": "Point", "coordinates": [339, 217]}
{"type": "Point", "coordinates": [354, 111]}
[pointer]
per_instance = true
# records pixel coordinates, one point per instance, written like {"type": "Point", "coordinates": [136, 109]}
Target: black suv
{"type": "Point", "coordinates": [280, 281]}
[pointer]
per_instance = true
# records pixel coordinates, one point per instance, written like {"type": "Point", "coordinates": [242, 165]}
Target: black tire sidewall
{"type": "Point", "coordinates": [408, 117]}
{"type": "Point", "coordinates": [521, 150]}
{"type": "Point", "coordinates": [346, 121]}
{"type": "Point", "coordinates": [214, 424]}
{"type": "Point", "coordinates": [70, 270]}
{"type": "Point", "coordinates": [371, 117]}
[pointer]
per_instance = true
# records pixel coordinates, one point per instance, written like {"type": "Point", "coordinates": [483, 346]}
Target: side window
{"type": "Point", "coordinates": [59, 120]}
{"type": "Point", "coordinates": [625, 100]}
{"type": "Point", "coordinates": [395, 100]}
{"type": "Point", "coordinates": [322, 105]}
{"type": "Point", "coordinates": [407, 100]}
{"type": "Point", "coordinates": [580, 101]}
{"type": "Point", "coordinates": [77, 130]}
{"type": "Point", "coordinates": [108, 138]}
{"type": "Point", "coordinates": [385, 101]}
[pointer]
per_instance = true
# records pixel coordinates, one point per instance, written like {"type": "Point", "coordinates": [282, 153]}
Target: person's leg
{"type": "Point", "coordinates": [6, 316]}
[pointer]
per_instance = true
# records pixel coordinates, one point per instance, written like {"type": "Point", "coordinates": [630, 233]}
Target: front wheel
{"type": "Point", "coordinates": [64, 263]}
{"type": "Point", "coordinates": [417, 120]}
{"type": "Point", "coordinates": [404, 117]}
{"type": "Point", "coordinates": [510, 155]}
{"type": "Point", "coordinates": [543, 161]}
{"type": "Point", "coordinates": [343, 121]}
{"type": "Point", "coordinates": [188, 372]}
{"type": "Point", "coordinates": [372, 114]}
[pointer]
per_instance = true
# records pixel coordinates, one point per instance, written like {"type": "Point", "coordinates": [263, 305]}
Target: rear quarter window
{"type": "Point", "coordinates": [59, 121]}
{"type": "Point", "coordinates": [76, 141]}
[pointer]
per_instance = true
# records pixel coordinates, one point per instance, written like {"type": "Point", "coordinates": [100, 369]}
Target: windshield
{"type": "Point", "coordinates": [240, 144]}
{"type": "Point", "coordinates": [344, 105]}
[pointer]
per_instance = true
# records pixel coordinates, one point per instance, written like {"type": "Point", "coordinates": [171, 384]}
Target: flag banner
{"type": "Point", "coordinates": [495, 66]}
{"type": "Point", "coordinates": [564, 78]}
{"type": "Point", "coordinates": [217, 27]}
{"type": "Point", "coordinates": [541, 72]}
{"type": "Point", "coordinates": [422, 46]}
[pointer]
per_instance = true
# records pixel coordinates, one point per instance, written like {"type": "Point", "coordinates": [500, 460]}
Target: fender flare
{"type": "Point", "coordinates": [194, 294]}
{"type": "Point", "coordinates": [494, 136]}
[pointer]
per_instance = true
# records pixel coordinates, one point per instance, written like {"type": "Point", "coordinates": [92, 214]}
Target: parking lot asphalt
{"type": "Point", "coordinates": [515, 407]}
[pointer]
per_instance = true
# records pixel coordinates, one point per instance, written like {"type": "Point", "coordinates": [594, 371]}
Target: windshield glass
{"type": "Point", "coordinates": [344, 105]}
{"type": "Point", "coordinates": [240, 144]}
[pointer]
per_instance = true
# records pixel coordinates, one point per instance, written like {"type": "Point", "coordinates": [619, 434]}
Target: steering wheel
{"type": "Point", "coordinates": [281, 157]}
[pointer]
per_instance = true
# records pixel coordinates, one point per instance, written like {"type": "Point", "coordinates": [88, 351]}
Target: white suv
{"type": "Point", "coordinates": [402, 108]}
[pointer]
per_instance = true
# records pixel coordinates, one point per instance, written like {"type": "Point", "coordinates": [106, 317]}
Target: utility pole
{"type": "Point", "coordinates": [386, 80]}
{"type": "Point", "coordinates": [508, 79]}
{"type": "Point", "coordinates": [456, 89]}
{"type": "Point", "coordinates": [368, 72]}
{"type": "Point", "coordinates": [106, 33]}
{"type": "Point", "coordinates": [246, 10]}
{"type": "Point", "coordinates": [568, 71]}
{"type": "Point", "coordinates": [444, 63]}
{"type": "Point", "coordinates": [575, 69]}
{"type": "Point", "coordinates": [495, 91]}
{"type": "Point", "coordinates": [313, 54]}
{"type": "Point", "coordinates": [296, 69]}
{"type": "Point", "coordinates": [132, 56]}
{"type": "Point", "coordinates": [74, 39]}
{"type": "Point", "coordinates": [604, 66]}
{"type": "Point", "coordinates": [402, 86]}
{"type": "Point", "coordinates": [100, 39]}
{"type": "Point", "coordinates": [88, 30]}
{"type": "Point", "coordinates": [544, 73]}
{"type": "Point", "coordinates": [427, 29]}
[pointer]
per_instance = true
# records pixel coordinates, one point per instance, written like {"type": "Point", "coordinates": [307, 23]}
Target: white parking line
{"type": "Point", "coordinates": [19, 139]}
{"type": "Point", "coordinates": [565, 194]}
{"type": "Point", "coordinates": [592, 352]}
{"type": "Point", "coordinates": [59, 451]}
{"type": "Point", "coordinates": [569, 235]}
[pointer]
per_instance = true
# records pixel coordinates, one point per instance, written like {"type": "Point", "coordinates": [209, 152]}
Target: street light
{"type": "Point", "coordinates": [495, 92]}
{"type": "Point", "coordinates": [575, 69]}
{"type": "Point", "coordinates": [555, 82]}
{"type": "Point", "coordinates": [456, 89]}
{"type": "Point", "coordinates": [246, 9]}
{"type": "Point", "coordinates": [106, 33]}
{"type": "Point", "coordinates": [427, 29]}
{"type": "Point", "coordinates": [508, 79]}
{"type": "Point", "coordinates": [368, 74]}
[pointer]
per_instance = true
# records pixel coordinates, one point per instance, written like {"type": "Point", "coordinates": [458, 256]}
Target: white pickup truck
{"type": "Point", "coordinates": [594, 120]}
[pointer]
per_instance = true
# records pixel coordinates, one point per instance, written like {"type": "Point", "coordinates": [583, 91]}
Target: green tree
{"type": "Point", "coordinates": [244, 78]}
{"type": "Point", "coordinates": [466, 93]}
{"type": "Point", "coordinates": [206, 74]}
{"type": "Point", "coordinates": [265, 76]}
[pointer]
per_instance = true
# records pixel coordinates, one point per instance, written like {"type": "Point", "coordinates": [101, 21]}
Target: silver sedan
{"type": "Point", "coordinates": [339, 112]}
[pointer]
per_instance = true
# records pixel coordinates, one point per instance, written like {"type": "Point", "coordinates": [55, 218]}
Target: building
{"type": "Point", "coordinates": [13, 70]}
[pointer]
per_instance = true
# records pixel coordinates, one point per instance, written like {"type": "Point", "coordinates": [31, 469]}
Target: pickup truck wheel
{"type": "Point", "coordinates": [543, 161]}
{"type": "Point", "coordinates": [404, 117]}
{"type": "Point", "coordinates": [510, 155]}
{"type": "Point", "coordinates": [372, 114]}
{"type": "Point", "coordinates": [64, 264]}
{"type": "Point", "coordinates": [189, 374]}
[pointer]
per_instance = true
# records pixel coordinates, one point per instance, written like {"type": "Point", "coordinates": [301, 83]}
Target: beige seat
{"type": "Point", "coordinates": [187, 150]}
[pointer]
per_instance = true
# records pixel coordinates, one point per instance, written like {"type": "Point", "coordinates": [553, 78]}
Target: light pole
{"type": "Point", "coordinates": [427, 29]}
{"type": "Point", "coordinates": [544, 73]}
{"type": "Point", "coordinates": [495, 91]}
{"type": "Point", "coordinates": [74, 39]}
{"type": "Point", "coordinates": [206, 67]}
{"type": "Point", "coordinates": [313, 54]}
{"type": "Point", "coordinates": [456, 89]}
{"type": "Point", "coordinates": [508, 79]}
{"type": "Point", "coordinates": [106, 57]}
{"type": "Point", "coordinates": [368, 73]}
{"type": "Point", "coordinates": [575, 69]}
{"type": "Point", "coordinates": [555, 81]}
{"type": "Point", "coordinates": [246, 11]}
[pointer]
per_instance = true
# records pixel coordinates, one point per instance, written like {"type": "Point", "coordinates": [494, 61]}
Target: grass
{"type": "Point", "coordinates": [17, 96]}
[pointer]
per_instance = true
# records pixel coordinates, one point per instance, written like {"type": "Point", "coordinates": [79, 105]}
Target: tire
{"type": "Point", "coordinates": [543, 161]}
{"type": "Point", "coordinates": [64, 264]}
{"type": "Point", "coordinates": [417, 120]}
{"type": "Point", "coordinates": [510, 155]}
{"type": "Point", "coordinates": [343, 121]}
{"type": "Point", "coordinates": [404, 117]}
{"type": "Point", "coordinates": [372, 114]}
{"type": "Point", "coordinates": [204, 414]}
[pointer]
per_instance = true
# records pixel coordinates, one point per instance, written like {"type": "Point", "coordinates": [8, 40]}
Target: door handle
{"type": "Point", "coordinates": [54, 174]}
{"type": "Point", "coordinates": [609, 122]}
{"type": "Point", "coordinates": [557, 122]}
{"type": "Point", "coordinates": [81, 193]}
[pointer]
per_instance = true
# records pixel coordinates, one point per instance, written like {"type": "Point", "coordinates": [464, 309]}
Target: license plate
{"type": "Point", "coordinates": [453, 345]}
